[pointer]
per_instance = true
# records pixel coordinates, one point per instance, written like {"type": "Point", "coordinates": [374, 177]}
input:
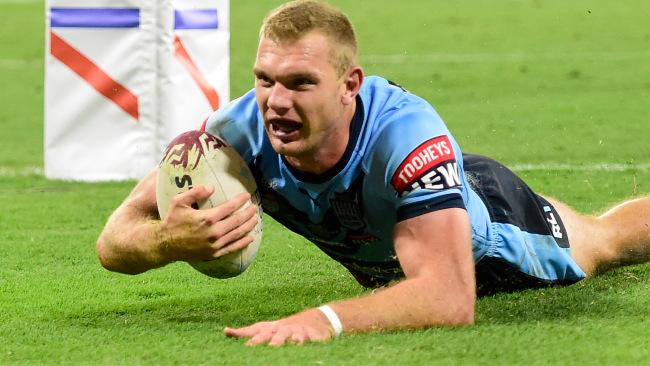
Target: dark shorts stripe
{"type": "Point", "coordinates": [494, 275]}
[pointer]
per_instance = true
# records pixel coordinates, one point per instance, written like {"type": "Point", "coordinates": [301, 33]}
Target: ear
{"type": "Point", "coordinates": [352, 83]}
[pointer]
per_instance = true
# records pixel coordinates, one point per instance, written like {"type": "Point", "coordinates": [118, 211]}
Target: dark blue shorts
{"type": "Point", "coordinates": [529, 245]}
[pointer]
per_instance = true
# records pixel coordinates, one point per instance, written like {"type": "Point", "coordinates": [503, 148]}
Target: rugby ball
{"type": "Point", "coordinates": [199, 158]}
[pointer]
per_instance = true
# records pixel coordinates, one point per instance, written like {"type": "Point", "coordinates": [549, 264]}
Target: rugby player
{"type": "Point", "coordinates": [371, 175]}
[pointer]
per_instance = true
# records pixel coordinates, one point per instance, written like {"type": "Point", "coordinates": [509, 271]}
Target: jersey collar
{"type": "Point", "coordinates": [355, 131]}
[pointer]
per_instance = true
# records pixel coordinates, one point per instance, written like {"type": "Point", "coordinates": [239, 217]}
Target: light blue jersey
{"type": "Point", "coordinates": [401, 162]}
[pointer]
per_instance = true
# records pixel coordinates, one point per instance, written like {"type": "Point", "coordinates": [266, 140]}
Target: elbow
{"type": "Point", "coordinates": [103, 252]}
{"type": "Point", "coordinates": [461, 313]}
{"type": "Point", "coordinates": [464, 314]}
{"type": "Point", "coordinates": [452, 306]}
{"type": "Point", "coordinates": [450, 311]}
{"type": "Point", "coordinates": [107, 257]}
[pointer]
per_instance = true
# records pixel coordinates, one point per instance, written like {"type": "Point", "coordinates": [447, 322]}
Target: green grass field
{"type": "Point", "coordinates": [559, 90]}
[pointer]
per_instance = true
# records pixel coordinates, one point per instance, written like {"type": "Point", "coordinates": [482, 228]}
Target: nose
{"type": "Point", "coordinates": [279, 98]}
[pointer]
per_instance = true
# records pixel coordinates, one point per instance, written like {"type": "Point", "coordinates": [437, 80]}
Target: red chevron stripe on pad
{"type": "Point", "coordinates": [185, 59]}
{"type": "Point", "coordinates": [95, 76]}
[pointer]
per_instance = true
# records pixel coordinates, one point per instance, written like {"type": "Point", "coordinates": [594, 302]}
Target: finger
{"type": "Point", "coordinates": [248, 331]}
{"type": "Point", "coordinates": [264, 336]}
{"type": "Point", "coordinates": [234, 332]}
{"type": "Point", "coordinates": [238, 232]}
{"type": "Point", "coordinates": [316, 335]}
{"type": "Point", "coordinates": [234, 221]}
{"type": "Point", "coordinates": [300, 337]}
{"type": "Point", "coordinates": [281, 336]}
{"type": "Point", "coordinates": [226, 208]}
{"type": "Point", "coordinates": [238, 245]}
{"type": "Point", "coordinates": [196, 194]}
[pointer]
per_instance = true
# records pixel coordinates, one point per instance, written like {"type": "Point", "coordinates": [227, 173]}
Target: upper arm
{"type": "Point", "coordinates": [436, 248]}
{"type": "Point", "coordinates": [419, 166]}
{"type": "Point", "coordinates": [417, 163]}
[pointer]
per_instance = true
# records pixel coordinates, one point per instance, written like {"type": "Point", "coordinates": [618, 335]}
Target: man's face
{"type": "Point", "coordinates": [300, 96]}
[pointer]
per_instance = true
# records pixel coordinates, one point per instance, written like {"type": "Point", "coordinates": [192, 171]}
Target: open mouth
{"type": "Point", "coordinates": [283, 127]}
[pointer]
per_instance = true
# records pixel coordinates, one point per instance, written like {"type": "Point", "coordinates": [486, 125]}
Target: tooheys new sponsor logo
{"type": "Point", "coordinates": [432, 165]}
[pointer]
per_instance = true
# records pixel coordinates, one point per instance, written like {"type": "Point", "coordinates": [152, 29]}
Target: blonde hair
{"type": "Point", "coordinates": [293, 20]}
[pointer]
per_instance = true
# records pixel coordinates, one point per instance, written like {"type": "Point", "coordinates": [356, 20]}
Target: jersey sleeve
{"type": "Point", "coordinates": [420, 162]}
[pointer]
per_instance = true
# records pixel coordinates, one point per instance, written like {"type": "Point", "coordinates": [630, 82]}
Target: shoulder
{"type": "Point", "coordinates": [393, 113]}
{"type": "Point", "coordinates": [399, 121]}
{"type": "Point", "coordinates": [410, 148]}
{"type": "Point", "coordinates": [239, 111]}
{"type": "Point", "coordinates": [239, 123]}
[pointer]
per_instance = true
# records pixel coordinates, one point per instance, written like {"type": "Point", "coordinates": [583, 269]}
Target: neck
{"type": "Point", "coordinates": [330, 152]}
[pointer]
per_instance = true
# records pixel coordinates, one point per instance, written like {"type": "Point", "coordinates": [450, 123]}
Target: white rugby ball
{"type": "Point", "coordinates": [199, 158]}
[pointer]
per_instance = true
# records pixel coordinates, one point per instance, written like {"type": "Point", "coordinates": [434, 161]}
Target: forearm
{"type": "Point", "coordinates": [410, 304]}
{"type": "Point", "coordinates": [131, 246]}
{"type": "Point", "coordinates": [439, 289]}
{"type": "Point", "coordinates": [434, 251]}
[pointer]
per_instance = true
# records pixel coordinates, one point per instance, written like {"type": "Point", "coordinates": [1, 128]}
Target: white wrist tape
{"type": "Point", "coordinates": [333, 318]}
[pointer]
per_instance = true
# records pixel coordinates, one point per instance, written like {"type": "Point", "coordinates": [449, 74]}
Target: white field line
{"type": "Point", "coordinates": [504, 57]}
{"type": "Point", "coordinates": [15, 63]}
{"type": "Point", "coordinates": [21, 2]}
{"type": "Point", "coordinates": [12, 172]}
{"type": "Point", "coordinates": [588, 167]}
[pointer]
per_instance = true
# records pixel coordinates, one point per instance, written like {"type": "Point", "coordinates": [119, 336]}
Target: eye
{"type": "Point", "coordinates": [303, 82]}
{"type": "Point", "coordinates": [264, 80]}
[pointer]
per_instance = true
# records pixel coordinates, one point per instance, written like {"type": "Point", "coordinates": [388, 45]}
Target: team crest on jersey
{"type": "Point", "coordinates": [432, 165]}
{"type": "Point", "coordinates": [347, 206]}
{"type": "Point", "coordinates": [348, 213]}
